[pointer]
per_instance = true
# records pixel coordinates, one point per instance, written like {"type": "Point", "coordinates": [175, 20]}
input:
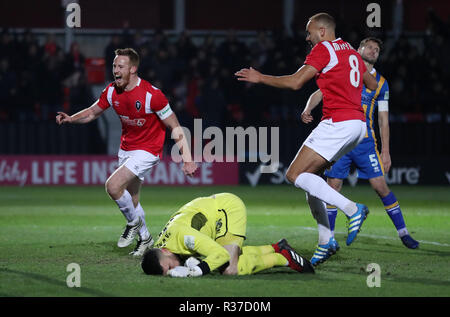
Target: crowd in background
{"type": "Point", "coordinates": [38, 80]}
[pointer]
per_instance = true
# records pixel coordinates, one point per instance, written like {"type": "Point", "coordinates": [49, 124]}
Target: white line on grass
{"type": "Point", "coordinates": [382, 237]}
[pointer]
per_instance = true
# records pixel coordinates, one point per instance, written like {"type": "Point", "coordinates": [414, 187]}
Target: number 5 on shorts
{"type": "Point", "coordinates": [373, 160]}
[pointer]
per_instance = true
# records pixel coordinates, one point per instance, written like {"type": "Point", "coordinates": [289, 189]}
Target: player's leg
{"type": "Point", "coordinates": [256, 258]}
{"type": "Point", "coordinates": [260, 250]}
{"type": "Point", "coordinates": [140, 162]}
{"type": "Point", "coordinates": [306, 163]}
{"type": "Point", "coordinates": [295, 260]}
{"type": "Point", "coordinates": [116, 187]}
{"type": "Point", "coordinates": [335, 175]}
{"type": "Point", "coordinates": [327, 143]}
{"type": "Point", "coordinates": [134, 188]}
{"type": "Point", "coordinates": [129, 177]}
{"type": "Point", "coordinates": [392, 207]}
{"type": "Point", "coordinates": [145, 240]}
{"type": "Point", "coordinates": [302, 173]}
{"type": "Point", "coordinates": [336, 184]}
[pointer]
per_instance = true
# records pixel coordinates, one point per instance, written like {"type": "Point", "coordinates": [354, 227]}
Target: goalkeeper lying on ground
{"type": "Point", "coordinates": [213, 228]}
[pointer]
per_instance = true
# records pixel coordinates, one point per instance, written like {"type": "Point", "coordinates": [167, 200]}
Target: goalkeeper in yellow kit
{"type": "Point", "coordinates": [207, 234]}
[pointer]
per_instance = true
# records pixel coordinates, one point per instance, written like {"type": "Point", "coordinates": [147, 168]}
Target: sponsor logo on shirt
{"type": "Point", "coordinates": [132, 122]}
{"type": "Point", "coordinates": [189, 242]}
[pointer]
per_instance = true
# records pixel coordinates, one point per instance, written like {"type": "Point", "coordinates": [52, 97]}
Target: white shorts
{"type": "Point", "coordinates": [332, 140]}
{"type": "Point", "coordinates": [138, 162]}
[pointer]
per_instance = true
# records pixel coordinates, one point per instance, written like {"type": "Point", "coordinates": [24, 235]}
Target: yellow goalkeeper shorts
{"type": "Point", "coordinates": [232, 219]}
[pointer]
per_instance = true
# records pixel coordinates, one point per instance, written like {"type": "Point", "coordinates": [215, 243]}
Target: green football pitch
{"type": "Point", "coordinates": [44, 229]}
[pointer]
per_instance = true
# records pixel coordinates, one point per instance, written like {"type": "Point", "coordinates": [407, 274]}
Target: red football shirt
{"type": "Point", "coordinates": [340, 78]}
{"type": "Point", "coordinates": [141, 111]}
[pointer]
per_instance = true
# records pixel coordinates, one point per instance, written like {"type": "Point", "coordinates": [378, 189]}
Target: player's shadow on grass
{"type": "Point", "coordinates": [105, 246]}
{"type": "Point", "coordinates": [53, 281]}
{"type": "Point", "coordinates": [277, 274]}
{"type": "Point", "coordinates": [418, 280]}
{"type": "Point", "coordinates": [397, 249]}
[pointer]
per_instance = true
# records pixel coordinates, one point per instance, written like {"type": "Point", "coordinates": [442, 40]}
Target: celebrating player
{"type": "Point", "coordinates": [144, 113]}
{"type": "Point", "coordinates": [340, 73]}
{"type": "Point", "coordinates": [214, 229]}
{"type": "Point", "coordinates": [370, 165]}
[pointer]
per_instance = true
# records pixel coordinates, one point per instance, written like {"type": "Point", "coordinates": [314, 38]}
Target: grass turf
{"type": "Point", "coordinates": [43, 229]}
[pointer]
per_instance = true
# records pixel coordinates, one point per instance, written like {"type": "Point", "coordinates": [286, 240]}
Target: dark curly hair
{"type": "Point", "coordinates": [150, 262]}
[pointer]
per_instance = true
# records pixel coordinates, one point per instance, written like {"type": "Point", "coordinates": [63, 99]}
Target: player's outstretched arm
{"type": "Point", "coordinates": [370, 81]}
{"type": "Point", "coordinates": [84, 116]}
{"type": "Point", "coordinates": [234, 251]}
{"type": "Point", "coordinates": [294, 81]}
{"type": "Point", "coordinates": [383, 123]}
{"type": "Point", "coordinates": [189, 166]}
{"type": "Point", "coordinates": [313, 101]}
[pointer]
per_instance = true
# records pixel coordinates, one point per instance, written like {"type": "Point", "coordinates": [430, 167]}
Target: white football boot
{"type": "Point", "coordinates": [142, 246]}
{"type": "Point", "coordinates": [129, 234]}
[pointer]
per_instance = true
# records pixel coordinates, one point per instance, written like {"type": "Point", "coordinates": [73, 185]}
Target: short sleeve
{"type": "Point", "coordinates": [103, 101]}
{"type": "Point", "coordinates": [383, 98]}
{"type": "Point", "coordinates": [319, 57]}
{"type": "Point", "coordinates": [160, 105]}
{"type": "Point", "coordinates": [384, 92]}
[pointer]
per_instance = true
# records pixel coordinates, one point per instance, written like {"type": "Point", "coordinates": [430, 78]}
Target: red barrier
{"type": "Point", "coordinates": [95, 169]}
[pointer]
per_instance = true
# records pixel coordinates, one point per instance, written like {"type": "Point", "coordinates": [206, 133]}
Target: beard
{"type": "Point", "coordinates": [371, 61]}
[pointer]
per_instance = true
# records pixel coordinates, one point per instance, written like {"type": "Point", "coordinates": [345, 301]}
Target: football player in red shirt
{"type": "Point", "coordinates": [340, 73]}
{"type": "Point", "coordinates": [144, 113]}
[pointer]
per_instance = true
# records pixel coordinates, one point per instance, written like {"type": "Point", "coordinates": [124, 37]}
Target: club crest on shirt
{"type": "Point", "coordinates": [218, 225]}
{"type": "Point", "coordinates": [138, 105]}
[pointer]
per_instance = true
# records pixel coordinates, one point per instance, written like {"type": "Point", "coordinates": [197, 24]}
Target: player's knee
{"type": "Point", "coordinates": [382, 191]}
{"type": "Point", "coordinates": [334, 183]}
{"type": "Point", "coordinates": [113, 189]}
{"type": "Point", "coordinates": [291, 175]}
{"type": "Point", "coordinates": [380, 186]}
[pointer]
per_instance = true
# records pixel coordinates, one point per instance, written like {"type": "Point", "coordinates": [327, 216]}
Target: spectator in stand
{"type": "Point", "coordinates": [50, 46]}
{"type": "Point", "coordinates": [116, 42]}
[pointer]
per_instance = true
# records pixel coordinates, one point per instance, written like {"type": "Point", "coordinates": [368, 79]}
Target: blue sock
{"type": "Point", "coordinates": [332, 213]}
{"type": "Point", "coordinates": [395, 213]}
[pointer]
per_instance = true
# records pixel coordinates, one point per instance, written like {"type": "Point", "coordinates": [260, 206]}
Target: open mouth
{"type": "Point", "coordinates": [118, 79]}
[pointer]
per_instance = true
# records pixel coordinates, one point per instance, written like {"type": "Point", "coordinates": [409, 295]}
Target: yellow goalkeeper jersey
{"type": "Point", "coordinates": [193, 229]}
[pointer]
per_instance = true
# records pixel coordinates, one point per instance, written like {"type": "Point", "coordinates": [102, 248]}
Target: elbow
{"type": "Point", "coordinates": [297, 86]}
{"type": "Point", "coordinates": [373, 86]}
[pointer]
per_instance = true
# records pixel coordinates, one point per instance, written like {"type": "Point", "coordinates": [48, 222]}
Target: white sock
{"type": "Point", "coordinates": [143, 232]}
{"type": "Point", "coordinates": [319, 212]}
{"type": "Point", "coordinates": [324, 234]}
{"type": "Point", "coordinates": [402, 232]}
{"type": "Point", "coordinates": [125, 204]}
{"type": "Point", "coordinates": [317, 187]}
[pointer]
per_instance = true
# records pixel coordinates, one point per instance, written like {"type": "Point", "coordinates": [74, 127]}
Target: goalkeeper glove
{"type": "Point", "coordinates": [183, 271]}
{"type": "Point", "coordinates": [191, 262]}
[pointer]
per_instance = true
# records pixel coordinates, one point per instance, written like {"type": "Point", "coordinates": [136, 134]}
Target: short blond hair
{"type": "Point", "coordinates": [131, 53]}
{"type": "Point", "coordinates": [325, 19]}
